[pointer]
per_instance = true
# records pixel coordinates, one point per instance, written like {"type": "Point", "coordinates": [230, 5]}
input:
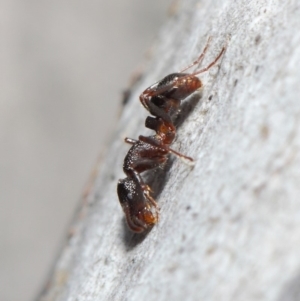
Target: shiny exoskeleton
{"type": "Point", "coordinates": [162, 100]}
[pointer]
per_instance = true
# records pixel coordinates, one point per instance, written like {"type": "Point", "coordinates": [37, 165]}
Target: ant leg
{"type": "Point", "coordinates": [130, 140]}
{"type": "Point", "coordinates": [211, 64]}
{"type": "Point", "coordinates": [146, 189]}
{"type": "Point", "coordinates": [143, 164]}
{"type": "Point", "coordinates": [180, 155]}
{"type": "Point", "coordinates": [199, 59]}
{"type": "Point", "coordinates": [155, 110]}
{"type": "Point", "coordinates": [154, 142]}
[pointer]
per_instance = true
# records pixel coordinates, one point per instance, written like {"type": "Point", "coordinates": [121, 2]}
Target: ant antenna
{"type": "Point", "coordinates": [200, 58]}
{"type": "Point", "coordinates": [211, 64]}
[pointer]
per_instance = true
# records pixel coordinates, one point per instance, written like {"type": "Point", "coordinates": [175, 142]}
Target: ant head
{"type": "Point", "coordinates": [140, 212]}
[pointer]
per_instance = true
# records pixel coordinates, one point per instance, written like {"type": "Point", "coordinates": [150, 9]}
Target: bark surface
{"type": "Point", "coordinates": [229, 228]}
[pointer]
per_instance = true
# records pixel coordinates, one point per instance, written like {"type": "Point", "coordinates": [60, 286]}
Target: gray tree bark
{"type": "Point", "coordinates": [229, 228]}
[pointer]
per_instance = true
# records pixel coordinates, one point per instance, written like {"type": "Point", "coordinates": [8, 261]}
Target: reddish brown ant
{"type": "Point", "coordinates": [162, 100]}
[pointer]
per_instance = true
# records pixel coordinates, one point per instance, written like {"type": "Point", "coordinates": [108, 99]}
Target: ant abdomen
{"type": "Point", "coordinates": [140, 209]}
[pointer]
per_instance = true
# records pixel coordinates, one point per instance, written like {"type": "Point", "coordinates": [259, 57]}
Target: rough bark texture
{"type": "Point", "coordinates": [229, 227]}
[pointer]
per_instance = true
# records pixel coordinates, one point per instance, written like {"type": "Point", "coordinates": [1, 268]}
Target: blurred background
{"type": "Point", "coordinates": [64, 65]}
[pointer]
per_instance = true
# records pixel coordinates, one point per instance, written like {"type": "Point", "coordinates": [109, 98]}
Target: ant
{"type": "Point", "coordinates": [162, 100]}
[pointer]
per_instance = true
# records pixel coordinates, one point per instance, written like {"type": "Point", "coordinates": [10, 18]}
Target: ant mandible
{"type": "Point", "coordinates": [162, 100]}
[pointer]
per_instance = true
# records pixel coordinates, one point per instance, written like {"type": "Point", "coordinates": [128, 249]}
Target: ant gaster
{"type": "Point", "coordinates": [162, 100]}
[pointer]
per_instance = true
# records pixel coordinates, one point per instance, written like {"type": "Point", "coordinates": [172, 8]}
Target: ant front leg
{"type": "Point", "coordinates": [155, 105]}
